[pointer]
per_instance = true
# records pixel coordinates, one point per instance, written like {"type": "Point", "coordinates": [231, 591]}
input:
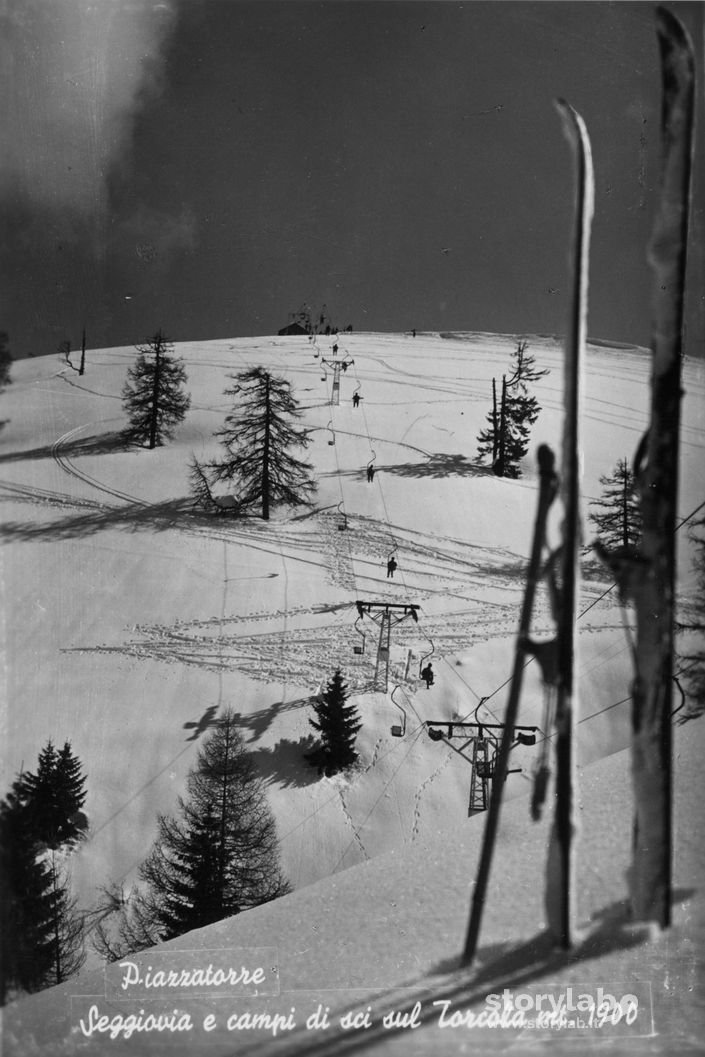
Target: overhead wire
{"type": "Point", "coordinates": [594, 602]}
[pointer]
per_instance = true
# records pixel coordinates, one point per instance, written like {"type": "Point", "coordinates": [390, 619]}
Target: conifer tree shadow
{"type": "Point", "coordinates": [103, 444]}
{"type": "Point", "coordinates": [439, 464]}
{"type": "Point", "coordinates": [132, 517]}
{"type": "Point", "coordinates": [285, 762]}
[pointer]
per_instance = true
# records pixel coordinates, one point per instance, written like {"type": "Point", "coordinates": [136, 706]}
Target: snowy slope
{"type": "Point", "coordinates": [129, 620]}
{"type": "Point", "coordinates": [385, 935]}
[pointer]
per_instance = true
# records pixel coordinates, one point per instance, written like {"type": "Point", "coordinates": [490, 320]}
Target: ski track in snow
{"type": "Point", "coordinates": [68, 466]}
{"type": "Point", "coordinates": [351, 823]}
{"type": "Point", "coordinates": [479, 587]}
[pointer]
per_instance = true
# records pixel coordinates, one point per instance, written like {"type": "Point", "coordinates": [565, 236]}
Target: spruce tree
{"type": "Point", "coordinates": [53, 798]}
{"type": "Point", "coordinates": [153, 396]}
{"type": "Point", "coordinates": [219, 856]}
{"type": "Point", "coordinates": [40, 818]}
{"type": "Point", "coordinates": [337, 724]}
{"type": "Point", "coordinates": [617, 513]}
{"type": "Point", "coordinates": [26, 903]}
{"type": "Point", "coordinates": [258, 436]}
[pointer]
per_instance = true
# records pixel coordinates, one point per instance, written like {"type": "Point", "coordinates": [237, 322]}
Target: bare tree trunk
{"type": "Point", "coordinates": [265, 455]}
{"type": "Point", "coordinates": [503, 427]}
{"type": "Point", "coordinates": [155, 393]}
{"type": "Point", "coordinates": [82, 368]}
{"type": "Point", "coordinates": [625, 508]}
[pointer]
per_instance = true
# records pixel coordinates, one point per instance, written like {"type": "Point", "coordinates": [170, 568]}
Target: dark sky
{"type": "Point", "coordinates": [208, 166]}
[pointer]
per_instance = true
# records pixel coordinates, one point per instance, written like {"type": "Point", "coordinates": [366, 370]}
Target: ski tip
{"type": "Point", "coordinates": [575, 131]}
{"type": "Point", "coordinates": [672, 34]}
{"type": "Point", "coordinates": [572, 120]}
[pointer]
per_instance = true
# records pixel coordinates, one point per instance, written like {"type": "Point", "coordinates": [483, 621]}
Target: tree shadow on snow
{"type": "Point", "coordinates": [104, 444]}
{"type": "Point", "coordinates": [285, 763]}
{"type": "Point", "coordinates": [134, 517]}
{"type": "Point", "coordinates": [438, 465]}
{"type": "Point", "coordinates": [498, 966]}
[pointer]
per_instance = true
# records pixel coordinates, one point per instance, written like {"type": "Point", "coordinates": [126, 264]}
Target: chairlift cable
{"type": "Point", "coordinates": [599, 598]}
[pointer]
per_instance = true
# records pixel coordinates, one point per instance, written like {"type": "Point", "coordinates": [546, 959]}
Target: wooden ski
{"type": "Point", "coordinates": [652, 578]}
{"type": "Point", "coordinates": [547, 491]}
{"type": "Point", "coordinates": [560, 889]}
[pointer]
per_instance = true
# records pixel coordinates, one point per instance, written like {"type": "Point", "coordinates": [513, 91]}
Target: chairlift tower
{"type": "Point", "coordinates": [386, 615]}
{"type": "Point", "coordinates": [336, 365]}
{"type": "Point", "coordinates": [484, 751]}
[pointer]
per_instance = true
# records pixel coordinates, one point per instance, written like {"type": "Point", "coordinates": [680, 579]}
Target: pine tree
{"type": "Point", "coordinates": [152, 397]}
{"type": "Point", "coordinates": [217, 858]}
{"type": "Point", "coordinates": [337, 725]}
{"type": "Point", "coordinates": [5, 360]}
{"type": "Point", "coordinates": [257, 437]}
{"type": "Point", "coordinates": [506, 439]}
{"type": "Point", "coordinates": [617, 515]}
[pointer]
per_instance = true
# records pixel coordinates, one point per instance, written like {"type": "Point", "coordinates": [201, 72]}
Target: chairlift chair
{"type": "Point", "coordinates": [359, 649]}
{"type": "Point", "coordinates": [425, 658]}
{"type": "Point", "coordinates": [343, 523]}
{"type": "Point", "coordinates": [398, 731]}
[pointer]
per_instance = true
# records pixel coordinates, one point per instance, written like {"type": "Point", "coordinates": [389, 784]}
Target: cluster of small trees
{"type": "Point", "coordinates": [41, 820]}
{"type": "Point", "coordinates": [514, 411]}
{"type": "Point", "coordinates": [258, 438]}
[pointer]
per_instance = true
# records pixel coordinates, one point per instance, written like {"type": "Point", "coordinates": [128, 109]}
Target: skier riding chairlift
{"type": "Point", "coordinates": [427, 676]}
{"type": "Point", "coordinates": [370, 473]}
{"type": "Point", "coordinates": [356, 399]}
{"type": "Point", "coordinates": [391, 567]}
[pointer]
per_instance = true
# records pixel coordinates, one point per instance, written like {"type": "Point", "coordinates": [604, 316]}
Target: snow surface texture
{"type": "Point", "coordinates": [130, 621]}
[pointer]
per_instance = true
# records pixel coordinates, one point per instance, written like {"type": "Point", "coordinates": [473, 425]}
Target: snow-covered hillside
{"type": "Point", "coordinates": [129, 619]}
